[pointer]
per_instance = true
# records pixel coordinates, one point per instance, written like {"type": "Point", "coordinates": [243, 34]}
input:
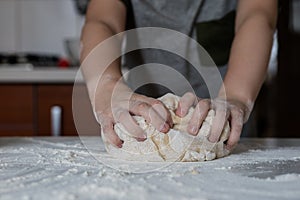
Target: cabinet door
{"type": "Point", "coordinates": [16, 110]}
{"type": "Point", "coordinates": [60, 97]}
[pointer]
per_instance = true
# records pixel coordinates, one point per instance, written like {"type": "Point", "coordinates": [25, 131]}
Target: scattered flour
{"type": "Point", "coordinates": [47, 168]}
{"type": "Point", "coordinates": [285, 177]}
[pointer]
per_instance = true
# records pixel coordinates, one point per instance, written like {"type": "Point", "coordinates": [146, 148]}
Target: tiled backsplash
{"type": "Point", "coordinates": [38, 25]}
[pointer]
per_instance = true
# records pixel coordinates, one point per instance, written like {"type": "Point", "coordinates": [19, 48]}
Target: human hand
{"type": "Point", "coordinates": [116, 103]}
{"type": "Point", "coordinates": [235, 111]}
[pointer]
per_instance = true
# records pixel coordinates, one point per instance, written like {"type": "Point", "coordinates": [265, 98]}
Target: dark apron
{"type": "Point", "coordinates": [204, 20]}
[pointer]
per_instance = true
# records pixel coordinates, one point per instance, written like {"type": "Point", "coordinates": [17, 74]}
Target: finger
{"type": "Point", "coordinates": [109, 133]}
{"type": "Point", "coordinates": [150, 115]}
{"type": "Point", "coordinates": [236, 128]}
{"type": "Point", "coordinates": [129, 123]}
{"type": "Point", "coordinates": [198, 116]}
{"type": "Point", "coordinates": [185, 102]}
{"type": "Point", "coordinates": [162, 110]}
{"type": "Point", "coordinates": [218, 124]}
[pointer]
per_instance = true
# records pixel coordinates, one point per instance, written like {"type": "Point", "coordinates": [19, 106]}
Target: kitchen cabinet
{"type": "Point", "coordinates": [44, 110]}
{"type": "Point", "coordinates": [50, 97]}
{"type": "Point", "coordinates": [17, 116]}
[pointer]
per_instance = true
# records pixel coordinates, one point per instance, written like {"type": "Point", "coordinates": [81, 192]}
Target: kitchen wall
{"type": "Point", "coordinates": [38, 25]}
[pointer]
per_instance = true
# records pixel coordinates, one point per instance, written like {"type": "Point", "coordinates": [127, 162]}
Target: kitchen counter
{"type": "Point", "coordinates": [62, 168]}
{"type": "Point", "coordinates": [29, 74]}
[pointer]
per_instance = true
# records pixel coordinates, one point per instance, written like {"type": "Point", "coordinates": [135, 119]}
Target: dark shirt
{"type": "Point", "coordinates": [130, 23]}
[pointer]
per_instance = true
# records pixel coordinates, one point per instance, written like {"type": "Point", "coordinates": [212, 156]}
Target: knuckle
{"type": "Point", "coordinates": [222, 110]}
{"type": "Point", "coordinates": [142, 106]}
{"type": "Point", "coordinates": [219, 103]}
{"type": "Point", "coordinates": [156, 102]}
{"type": "Point", "coordinates": [183, 104]}
{"type": "Point", "coordinates": [187, 97]}
{"type": "Point", "coordinates": [189, 94]}
{"type": "Point", "coordinates": [237, 111]}
{"type": "Point", "coordinates": [204, 104]}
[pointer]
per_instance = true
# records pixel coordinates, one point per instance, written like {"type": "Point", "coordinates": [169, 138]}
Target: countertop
{"type": "Point", "coordinates": [29, 74]}
{"type": "Point", "coordinates": [62, 168]}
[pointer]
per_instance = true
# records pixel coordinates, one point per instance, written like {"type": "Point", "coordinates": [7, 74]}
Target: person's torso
{"type": "Point", "coordinates": [179, 15]}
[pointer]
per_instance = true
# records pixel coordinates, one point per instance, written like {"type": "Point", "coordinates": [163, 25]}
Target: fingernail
{"type": "Point", "coordinates": [120, 145]}
{"type": "Point", "coordinates": [212, 140]}
{"type": "Point", "coordinates": [181, 112]}
{"type": "Point", "coordinates": [141, 139]}
{"type": "Point", "coordinates": [178, 111]}
{"type": "Point", "coordinates": [164, 128]}
{"type": "Point", "coordinates": [194, 130]}
{"type": "Point", "coordinates": [170, 124]}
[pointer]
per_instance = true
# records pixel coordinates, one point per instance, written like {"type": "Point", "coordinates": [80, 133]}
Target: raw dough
{"type": "Point", "coordinates": [176, 145]}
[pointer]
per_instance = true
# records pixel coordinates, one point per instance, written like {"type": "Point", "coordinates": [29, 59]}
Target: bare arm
{"type": "Point", "coordinates": [255, 24]}
{"type": "Point", "coordinates": [249, 58]}
{"type": "Point", "coordinates": [106, 18]}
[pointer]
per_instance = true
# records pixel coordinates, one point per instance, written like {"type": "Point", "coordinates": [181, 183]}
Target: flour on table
{"type": "Point", "coordinates": [175, 145]}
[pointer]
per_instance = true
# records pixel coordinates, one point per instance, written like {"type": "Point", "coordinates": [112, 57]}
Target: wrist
{"type": "Point", "coordinates": [109, 80]}
{"type": "Point", "coordinates": [245, 103]}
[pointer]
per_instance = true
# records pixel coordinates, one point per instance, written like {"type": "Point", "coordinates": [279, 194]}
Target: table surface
{"type": "Point", "coordinates": [70, 168]}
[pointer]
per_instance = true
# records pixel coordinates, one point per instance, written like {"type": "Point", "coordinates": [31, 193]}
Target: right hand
{"type": "Point", "coordinates": [115, 103]}
{"type": "Point", "coordinates": [233, 110]}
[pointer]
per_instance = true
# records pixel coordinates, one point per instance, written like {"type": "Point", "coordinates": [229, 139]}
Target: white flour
{"type": "Point", "coordinates": [61, 168]}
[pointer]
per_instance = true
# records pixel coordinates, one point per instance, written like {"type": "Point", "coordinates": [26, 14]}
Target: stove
{"type": "Point", "coordinates": [33, 59]}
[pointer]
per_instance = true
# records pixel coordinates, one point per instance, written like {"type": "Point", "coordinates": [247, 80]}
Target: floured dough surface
{"type": "Point", "coordinates": [176, 145]}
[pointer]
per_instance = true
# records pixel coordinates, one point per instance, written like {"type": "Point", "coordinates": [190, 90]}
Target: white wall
{"type": "Point", "coordinates": [8, 36]}
{"type": "Point", "coordinates": [37, 25]}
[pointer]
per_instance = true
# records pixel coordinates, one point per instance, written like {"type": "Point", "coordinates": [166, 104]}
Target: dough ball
{"type": "Point", "coordinates": [176, 145]}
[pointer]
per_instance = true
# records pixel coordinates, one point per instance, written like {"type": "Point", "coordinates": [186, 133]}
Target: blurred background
{"type": "Point", "coordinates": [39, 50]}
{"type": "Point", "coordinates": [40, 26]}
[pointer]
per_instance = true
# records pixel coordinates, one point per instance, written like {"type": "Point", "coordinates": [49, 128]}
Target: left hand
{"type": "Point", "coordinates": [235, 111]}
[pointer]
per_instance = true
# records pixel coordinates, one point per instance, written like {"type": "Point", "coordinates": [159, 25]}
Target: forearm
{"type": "Point", "coordinates": [99, 50]}
{"type": "Point", "coordinates": [94, 60]}
{"type": "Point", "coordinates": [249, 59]}
{"type": "Point", "coordinates": [93, 34]}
